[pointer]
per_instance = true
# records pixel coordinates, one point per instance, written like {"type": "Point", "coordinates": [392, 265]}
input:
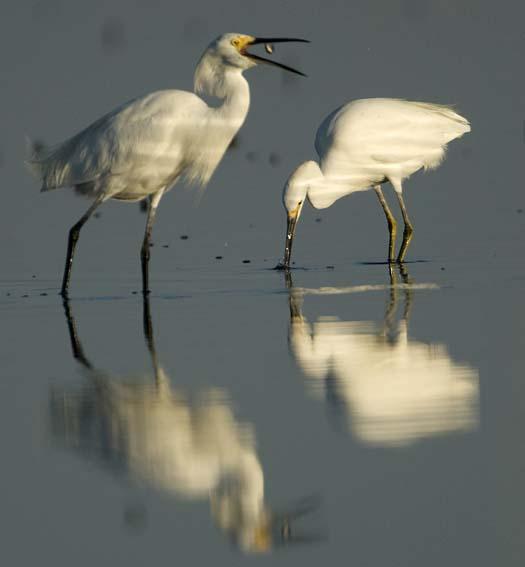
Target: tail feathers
{"type": "Point", "coordinates": [45, 165]}
{"type": "Point", "coordinates": [38, 153]}
{"type": "Point", "coordinates": [462, 125]}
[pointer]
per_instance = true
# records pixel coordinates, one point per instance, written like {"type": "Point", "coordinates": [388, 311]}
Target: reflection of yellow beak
{"type": "Point", "coordinates": [262, 539]}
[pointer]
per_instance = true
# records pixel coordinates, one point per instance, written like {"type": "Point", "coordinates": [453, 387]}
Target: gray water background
{"type": "Point", "coordinates": [456, 499]}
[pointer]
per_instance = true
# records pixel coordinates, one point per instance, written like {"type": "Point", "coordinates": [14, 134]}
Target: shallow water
{"type": "Point", "coordinates": [252, 414]}
{"type": "Point", "coordinates": [418, 463]}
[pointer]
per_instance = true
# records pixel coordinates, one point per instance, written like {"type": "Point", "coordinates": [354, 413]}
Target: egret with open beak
{"type": "Point", "coordinates": [142, 148]}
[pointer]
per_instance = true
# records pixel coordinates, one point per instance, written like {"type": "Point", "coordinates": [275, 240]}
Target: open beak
{"type": "Point", "coordinates": [272, 40]}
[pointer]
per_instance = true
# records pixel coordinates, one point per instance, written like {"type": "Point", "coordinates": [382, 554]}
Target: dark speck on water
{"type": "Point", "coordinates": [33, 276]}
{"type": "Point", "coordinates": [246, 261]}
{"type": "Point", "coordinates": [251, 156]}
{"type": "Point", "coordinates": [218, 257]}
{"type": "Point", "coordinates": [274, 159]}
{"type": "Point", "coordinates": [184, 237]}
{"type": "Point", "coordinates": [442, 268]}
{"type": "Point", "coordinates": [165, 246]}
{"type": "Point", "coordinates": [318, 219]}
{"type": "Point", "coordinates": [330, 267]}
{"type": "Point", "coordinates": [43, 293]}
{"type": "Point", "coordinates": [519, 211]}
{"type": "Point", "coordinates": [112, 35]}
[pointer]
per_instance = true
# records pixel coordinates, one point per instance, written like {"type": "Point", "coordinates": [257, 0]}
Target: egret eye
{"type": "Point", "coordinates": [235, 42]}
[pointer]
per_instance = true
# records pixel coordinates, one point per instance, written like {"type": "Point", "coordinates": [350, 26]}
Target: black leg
{"type": "Point", "coordinates": [76, 346]}
{"type": "Point", "coordinates": [74, 233]}
{"type": "Point", "coordinates": [145, 250]}
{"type": "Point", "coordinates": [161, 382]}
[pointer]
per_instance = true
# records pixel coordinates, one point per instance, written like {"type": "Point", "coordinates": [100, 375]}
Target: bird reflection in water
{"type": "Point", "coordinates": [388, 389]}
{"type": "Point", "coordinates": [192, 450]}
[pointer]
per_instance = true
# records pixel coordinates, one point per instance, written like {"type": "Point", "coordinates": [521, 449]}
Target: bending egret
{"type": "Point", "coordinates": [390, 389]}
{"type": "Point", "coordinates": [141, 148]}
{"type": "Point", "coordinates": [364, 144]}
{"type": "Point", "coordinates": [194, 450]}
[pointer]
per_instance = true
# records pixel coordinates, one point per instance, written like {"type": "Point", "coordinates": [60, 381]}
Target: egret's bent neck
{"type": "Point", "coordinates": [215, 79]}
{"type": "Point", "coordinates": [322, 187]}
{"type": "Point", "coordinates": [236, 97]}
{"type": "Point", "coordinates": [324, 190]}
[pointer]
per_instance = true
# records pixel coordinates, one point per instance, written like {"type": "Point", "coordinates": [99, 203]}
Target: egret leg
{"type": "Point", "coordinates": [408, 291]}
{"type": "Point", "coordinates": [76, 345]}
{"type": "Point", "coordinates": [74, 234]}
{"type": "Point", "coordinates": [390, 220]}
{"type": "Point", "coordinates": [145, 252]}
{"type": "Point", "coordinates": [391, 307]}
{"type": "Point", "coordinates": [407, 232]}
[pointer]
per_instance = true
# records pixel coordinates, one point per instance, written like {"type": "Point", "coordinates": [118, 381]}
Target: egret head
{"type": "Point", "coordinates": [231, 51]}
{"type": "Point", "coordinates": [294, 195]}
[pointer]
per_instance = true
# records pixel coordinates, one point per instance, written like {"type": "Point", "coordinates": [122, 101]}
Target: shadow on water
{"type": "Point", "coordinates": [145, 429]}
{"type": "Point", "coordinates": [379, 384]}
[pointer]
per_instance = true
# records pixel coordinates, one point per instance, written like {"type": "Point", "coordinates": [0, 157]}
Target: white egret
{"type": "Point", "coordinates": [143, 147]}
{"type": "Point", "coordinates": [150, 431]}
{"type": "Point", "coordinates": [364, 144]}
{"type": "Point", "coordinates": [390, 389]}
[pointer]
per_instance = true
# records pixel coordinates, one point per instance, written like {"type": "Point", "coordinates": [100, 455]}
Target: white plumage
{"type": "Point", "coordinates": [145, 429]}
{"type": "Point", "coordinates": [366, 143]}
{"type": "Point", "coordinates": [389, 389]}
{"type": "Point", "coordinates": [144, 145]}
{"type": "Point", "coordinates": [194, 451]}
{"type": "Point", "coordinates": [141, 148]}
